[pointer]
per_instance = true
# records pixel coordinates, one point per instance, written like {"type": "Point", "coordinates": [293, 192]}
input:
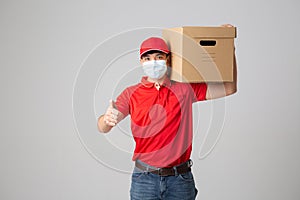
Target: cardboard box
{"type": "Point", "coordinates": [201, 54]}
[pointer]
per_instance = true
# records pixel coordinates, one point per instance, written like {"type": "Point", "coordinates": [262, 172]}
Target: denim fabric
{"type": "Point", "coordinates": [149, 186]}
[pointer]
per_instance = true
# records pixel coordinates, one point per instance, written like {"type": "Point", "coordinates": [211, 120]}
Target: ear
{"type": "Point", "coordinates": [168, 61]}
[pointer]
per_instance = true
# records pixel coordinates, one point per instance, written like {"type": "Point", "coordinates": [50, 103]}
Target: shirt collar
{"type": "Point", "coordinates": [167, 82]}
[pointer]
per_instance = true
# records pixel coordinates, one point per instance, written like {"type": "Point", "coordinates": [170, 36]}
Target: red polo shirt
{"type": "Point", "coordinates": [161, 119]}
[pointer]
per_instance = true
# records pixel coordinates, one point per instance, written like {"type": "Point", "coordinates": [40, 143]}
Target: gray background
{"type": "Point", "coordinates": [44, 154]}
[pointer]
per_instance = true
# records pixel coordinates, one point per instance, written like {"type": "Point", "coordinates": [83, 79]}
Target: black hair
{"type": "Point", "coordinates": [153, 51]}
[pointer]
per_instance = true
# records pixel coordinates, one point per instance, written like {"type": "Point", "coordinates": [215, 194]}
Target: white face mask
{"type": "Point", "coordinates": [155, 68]}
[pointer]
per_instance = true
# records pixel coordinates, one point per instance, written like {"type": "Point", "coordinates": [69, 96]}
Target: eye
{"type": "Point", "coordinates": [146, 58]}
{"type": "Point", "coordinates": [160, 57]}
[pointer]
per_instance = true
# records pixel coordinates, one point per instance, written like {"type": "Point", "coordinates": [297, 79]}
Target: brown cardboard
{"type": "Point", "coordinates": [201, 54]}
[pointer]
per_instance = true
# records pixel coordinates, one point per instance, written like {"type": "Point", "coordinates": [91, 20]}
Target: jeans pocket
{"type": "Point", "coordinates": [188, 177]}
{"type": "Point", "coordinates": [137, 175]}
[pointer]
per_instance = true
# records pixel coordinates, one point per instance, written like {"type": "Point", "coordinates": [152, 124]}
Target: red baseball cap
{"type": "Point", "coordinates": [154, 43]}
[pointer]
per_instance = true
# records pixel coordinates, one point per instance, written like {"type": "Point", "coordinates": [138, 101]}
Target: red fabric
{"type": "Point", "coordinates": [154, 43]}
{"type": "Point", "coordinates": [161, 120]}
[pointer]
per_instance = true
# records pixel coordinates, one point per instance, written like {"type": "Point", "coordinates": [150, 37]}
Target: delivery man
{"type": "Point", "coordinates": [161, 123]}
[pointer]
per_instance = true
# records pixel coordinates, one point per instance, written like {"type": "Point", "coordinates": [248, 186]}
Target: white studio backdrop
{"type": "Point", "coordinates": [50, 147]}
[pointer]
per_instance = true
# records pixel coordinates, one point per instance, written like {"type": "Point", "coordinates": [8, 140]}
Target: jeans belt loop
{"type": "Point", "coordinates": [175, 170]}
{"type": "Point", "coordinates": [147, 169]}
{"type": "Point", "coordinates": [159, 171]}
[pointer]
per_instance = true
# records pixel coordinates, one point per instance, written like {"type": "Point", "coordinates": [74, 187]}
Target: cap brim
{"type": "Point", "coordinates": [166, 52]}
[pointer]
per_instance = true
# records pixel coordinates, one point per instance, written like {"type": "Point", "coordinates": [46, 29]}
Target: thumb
{"type": "Point", "coordinates": [112, 104]}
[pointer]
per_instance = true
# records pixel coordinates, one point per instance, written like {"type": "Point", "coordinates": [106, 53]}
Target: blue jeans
{"type": "Point", "coordinates": [148, 186]}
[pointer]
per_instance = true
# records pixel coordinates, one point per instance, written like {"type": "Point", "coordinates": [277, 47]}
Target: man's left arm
{"type": "Point", "coordinates": [218, 90]}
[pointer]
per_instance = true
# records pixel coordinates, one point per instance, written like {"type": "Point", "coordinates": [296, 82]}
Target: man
{"type": "Point", "coordinates": [161, 124]}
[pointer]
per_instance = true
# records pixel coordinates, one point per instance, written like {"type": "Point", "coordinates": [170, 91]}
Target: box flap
{"type": "Point", "coordinates": [209, 32]}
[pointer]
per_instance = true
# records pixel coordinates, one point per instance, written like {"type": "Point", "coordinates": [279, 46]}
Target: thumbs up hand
{"type": "Point", "coordinates": [111, 115]}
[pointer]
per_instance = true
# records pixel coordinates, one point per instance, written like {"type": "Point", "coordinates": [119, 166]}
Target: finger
{"type": "Point", "coordinates": [110, 122]}
{"type": "Point", "coordinates": [110, 118]}
{"type": "Point", "coordinates": [111, 115]}
{"type": "Point", "coordinates": [115, 111]}
{"type": "Point", "coordinates": [227, 25]}
{"type": "Point", "coordinates": [114, 117]}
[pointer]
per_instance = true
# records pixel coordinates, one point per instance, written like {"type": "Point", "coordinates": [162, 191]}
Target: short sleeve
{"type": "Point", "coordinates": [199, 91]}
{"type": "Point", "coordinates": [123, 102]}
